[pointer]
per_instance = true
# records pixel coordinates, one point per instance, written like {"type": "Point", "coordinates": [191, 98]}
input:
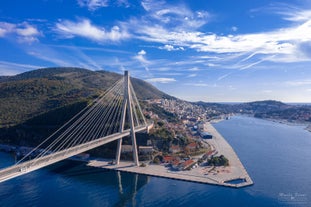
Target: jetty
{"type": "Point", "coordinates": [234, 175]}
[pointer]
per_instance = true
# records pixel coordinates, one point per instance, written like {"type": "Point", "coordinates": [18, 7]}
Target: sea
{"type": "Point", "coordinates": [277, 157]}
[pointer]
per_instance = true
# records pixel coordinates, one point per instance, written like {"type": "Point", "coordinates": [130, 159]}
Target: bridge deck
{"type": "Point", "coordinates": [31, 165]}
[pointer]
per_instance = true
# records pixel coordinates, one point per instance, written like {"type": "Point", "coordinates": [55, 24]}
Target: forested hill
{"type": "Point", "coordinates": [27, 95]}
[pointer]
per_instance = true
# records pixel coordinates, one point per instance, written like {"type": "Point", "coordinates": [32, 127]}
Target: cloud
{"type": "Point", "coordinates": [224, 76]}
{"type": "Point", "coordinates": [50, 56]}
{"type": "Point", "coordinates": [11, 68]}
{"type": "Point", "coordinates": [280, 45]}
{"type": "Point", "coordinates": [161, 80]}
{"type": "Point", "coordinates": [6, 28]}
{"type": "Point", "coordinates": [124, 3]}
{"type": "Point", "coordinates": [194, 69]}
{"type": "Point", "coordinates": [234, 28]}
{"type": "Point", "coordinates": [142, 59]}
{"type": "Point", "coordinates": [197, 84]}
{"type": "Point", "coordinates": [27, 30]}
{"type": "Point", "coordinates": [171, 48]}
{"type": "Point", "coordinates": [84, 28]}
{"type": "Point", "coordinates": [267, 91]}
{"type": "Point", "coordinates": [299, 83]}
{"type": "Point", "coordinates": [192, 75]}
{"type": "Point", "coordinates": [177, 17]}
{"type": "Point", "coordinates": [23, 31]}
{"type": "Point", "coordinates": [293, 14]}
{"type": "Point", "coordinates": [142, 53]}
{"type": "Point", "coordinates": [93, 5]}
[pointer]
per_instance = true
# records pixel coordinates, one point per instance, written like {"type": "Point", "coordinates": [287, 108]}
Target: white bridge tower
{"type": "Point", "coordinates": [127, 108]}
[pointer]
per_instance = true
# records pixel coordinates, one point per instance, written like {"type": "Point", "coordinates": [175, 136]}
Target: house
{"type": "Point", "coordinates": [187, 164]}
{"type": "Point", "coordinates": [192, 146]}
{"type": "Point", "coordinates": [175, 149]}
{"type": "Point", "coordinates": [167, 159]}
{"type": "Point", "coordinates": [183, 165]}
{"type": "Point", "coordinates": [170, 159]}
{"type": "Point", "coordinates": [209, 154]}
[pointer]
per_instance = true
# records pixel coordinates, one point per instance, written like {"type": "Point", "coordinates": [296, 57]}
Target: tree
{"type": "Point", "coordinates": [156, 160]}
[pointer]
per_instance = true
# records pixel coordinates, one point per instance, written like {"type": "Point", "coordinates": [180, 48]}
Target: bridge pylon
{"type": "Point", "coordinates": [127, 109]}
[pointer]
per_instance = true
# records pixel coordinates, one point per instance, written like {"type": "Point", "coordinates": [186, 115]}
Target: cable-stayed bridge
{"type": "Point", "coordinates": [112, 116]}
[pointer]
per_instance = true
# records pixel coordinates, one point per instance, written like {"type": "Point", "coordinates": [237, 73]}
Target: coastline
{"type": "Point", "coordinates": [223, 176]}
{"type": "Point", "coordinates": [218, 175]}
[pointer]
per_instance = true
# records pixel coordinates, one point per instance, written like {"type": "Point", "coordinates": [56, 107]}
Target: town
{"type": "Point", "coordinates": [186, 145]}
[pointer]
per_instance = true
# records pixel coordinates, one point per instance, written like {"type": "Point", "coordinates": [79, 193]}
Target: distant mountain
{"type": "Point", "coordinates": [262, 106]}
{"type": "Point", "coordinates": [27, 95]}
{"type": "Point", "coordinates": [264, 109]}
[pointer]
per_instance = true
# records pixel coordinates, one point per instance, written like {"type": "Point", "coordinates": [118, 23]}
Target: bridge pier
{"type": "Point", "coordinates": [127, 108]}
{"type": "Point", "coordinates": [118, 153]}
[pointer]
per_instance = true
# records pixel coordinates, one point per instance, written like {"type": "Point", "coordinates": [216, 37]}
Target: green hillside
{"type": "Point", "coordinates": [34, 93]}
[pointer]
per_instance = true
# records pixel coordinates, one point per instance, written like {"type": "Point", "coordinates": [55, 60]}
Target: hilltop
{"type": "Point", "coordinates": [38, 92]}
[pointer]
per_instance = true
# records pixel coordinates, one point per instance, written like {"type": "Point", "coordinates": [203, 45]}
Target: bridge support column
{"type": "Point", "coordinates": [127, 108]}
{"type": "Point", "coordinates": [130, 116]}
{"type": "Point", "coordinates": [118, 151]}
{"type": "Point", "coordinates": [121, 130]}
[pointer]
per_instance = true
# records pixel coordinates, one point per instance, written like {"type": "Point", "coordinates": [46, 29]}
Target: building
{"type": "Point", "coordinates": [145, 149]}
{"type": "Point", "coordinates": [187, 164]}
{"type": "Point", "coordinates": [175, 149]}
{"type": "Point", "coordinates": [192, 146]}
{"type": "Point", "coordinates": [206, 135]}
{"type": "Point", "coordinates": [126, 148]}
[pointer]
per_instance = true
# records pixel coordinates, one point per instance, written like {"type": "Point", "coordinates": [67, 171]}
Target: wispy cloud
{"type": "Point", "coordinates": [279, 45]}
{"type": "Point", "coordinates": [141, 57]}
{"type": "Point", "coordinates": [176, 16]}
{"type": "Point", "coordinates": [124, 3]}
{"type": "Point", "coordinates": [292, 13]}
{"type": "Point", "coordinates": [84, 28]}
{"type": "Point", "coordinates": [171, 48]}
{"type": "Point", "coordinates": [11, 68]}
{"type": "Point", "coordinates": [103, 49]}
{"type": "Point", "coordinates": [192, 75]}
{"type": "Point", "coordinates": [50, 56]}
{"type": "Point", "coordinates": [198, 84]}
{"type": "Point", "coordinates": [224, 76]}
{"type": "Point", "coordinates": [161, 80]}
{"type": "Point", "coordinates": [299, 83]}
{"type": "Point", "coordinates": [194, 69]}
{"type": "Point", "coordinates": [93, 4]}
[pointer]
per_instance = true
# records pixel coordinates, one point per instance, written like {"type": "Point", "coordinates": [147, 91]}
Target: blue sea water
{"type": "Point", "coordinates": [277, 157]}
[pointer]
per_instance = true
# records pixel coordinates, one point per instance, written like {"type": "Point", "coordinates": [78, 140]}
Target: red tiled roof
{"type": "Point", "coordinates": [187, 163]}
{"type": "Point", "coordinates": [167, 158]}
{"type": "Point", "coordinates": [192, 145]}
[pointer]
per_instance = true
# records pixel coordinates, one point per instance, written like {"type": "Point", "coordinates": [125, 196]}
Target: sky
{"type": "Point", "coordinates": [196, 50]}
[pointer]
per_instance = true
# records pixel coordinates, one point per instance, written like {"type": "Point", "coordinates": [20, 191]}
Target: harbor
{"type": "Point", "coordinates": [234, 175]}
